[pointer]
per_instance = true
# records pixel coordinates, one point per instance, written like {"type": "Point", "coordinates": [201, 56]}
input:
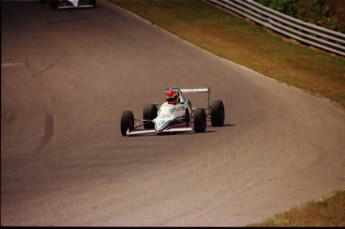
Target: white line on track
{"type": "Point", "coordinates": [6, 65]}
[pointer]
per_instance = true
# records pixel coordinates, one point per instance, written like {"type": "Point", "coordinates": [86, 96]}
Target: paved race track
{"type": "Point", "coordinates": [66, 76]}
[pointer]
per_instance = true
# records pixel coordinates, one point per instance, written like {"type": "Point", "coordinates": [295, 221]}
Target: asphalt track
{"type": "Point", "coordinates": [66, 76]}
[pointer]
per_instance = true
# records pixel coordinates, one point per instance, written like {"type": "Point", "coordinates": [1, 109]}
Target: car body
{"type": "Point", "coordinates": [181, 117]}
{"type": "Point", "coordinates": [71, 4]}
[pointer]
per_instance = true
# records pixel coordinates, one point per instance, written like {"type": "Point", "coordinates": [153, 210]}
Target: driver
{"type": "Point", "coordinates": [172, 97]}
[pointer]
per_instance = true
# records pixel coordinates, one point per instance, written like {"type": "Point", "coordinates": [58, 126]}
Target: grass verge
{"type": "Point", "coordinates": [329, 212]}
{"type": "Point", "coordinates": [247, 44]}
{"type": "Point", "coordinates": [242, 42]}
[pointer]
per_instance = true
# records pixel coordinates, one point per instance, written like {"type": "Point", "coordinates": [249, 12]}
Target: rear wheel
{"type": "Point", "coordinates": [217, 113]}
{"type": "Point", "coordinates": [93, 2]}
{"type": "Point", "coordinates": [54, 4]}
{"type": "Point", "coordinates": [199, 120]}
{"type": "Point", "coordinates": [127, 122]}
{"type": "Point", "coordinates": [149, 113]}
{"type": "Point", "coordinates": [186, 118]}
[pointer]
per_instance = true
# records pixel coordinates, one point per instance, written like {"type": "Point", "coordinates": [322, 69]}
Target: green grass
{"type": "Point", "coordinates": [247, 44]}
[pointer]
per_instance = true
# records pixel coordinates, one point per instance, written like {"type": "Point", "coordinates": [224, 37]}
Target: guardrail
{"type": "Point", "coordinates": [304, 32]}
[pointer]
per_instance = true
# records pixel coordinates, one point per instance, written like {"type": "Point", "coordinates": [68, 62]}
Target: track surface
{"type": "Point", "coordinates": [68, 75]}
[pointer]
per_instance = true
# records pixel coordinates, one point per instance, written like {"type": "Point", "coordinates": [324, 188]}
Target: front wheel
{"type": "Point", "coordinates": [149, 113]}
{"type": "Point", "coordinates": [199, 120]}
{"type": "Point", "coordinates": [127, 122]}
{"type": "Point", "coordinates": [217, 113]}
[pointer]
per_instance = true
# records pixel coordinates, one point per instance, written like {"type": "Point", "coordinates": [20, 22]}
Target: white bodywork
{"type": "Point", "coordinates": [167, 113]}
{"type": "Point", "coordinates": [74, 2]}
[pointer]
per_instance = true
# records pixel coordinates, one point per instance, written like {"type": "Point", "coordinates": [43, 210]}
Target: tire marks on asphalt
{"type": "Point", "coordinates": [48, 132]}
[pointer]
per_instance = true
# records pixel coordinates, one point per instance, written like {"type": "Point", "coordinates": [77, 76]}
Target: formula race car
{"type": "Point", "coordinates": [174, 118]}
{"type": "Point", "coordinates": [71, 4]}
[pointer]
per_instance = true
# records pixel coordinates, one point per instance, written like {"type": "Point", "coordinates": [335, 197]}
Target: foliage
{"type": "Point", "coordinates": [325, 13]}
{"type": "Point", "coordinates": [285, 6]}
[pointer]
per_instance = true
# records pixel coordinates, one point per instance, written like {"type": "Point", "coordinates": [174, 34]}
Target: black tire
{"type": "Point", "coordinates": [149, 113]}
{"type": "Point", "coordinates": [186, 119]}
{"type": "Point", "coordinates": [217, 113]}
{"type": "Point", "coordinates": [199, 120]}
{"type": "Point", "coordinates": [54, 4]}
{"type": "Point", "coordinates": [93, 2]}
{"type": "Point", "coordinates": [127, 122]}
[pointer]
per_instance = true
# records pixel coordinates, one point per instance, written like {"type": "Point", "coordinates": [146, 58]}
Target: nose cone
{"type": "Point", "coordinates": [160, 125]}
{"type": "Point", "coordinates": [161, 122]}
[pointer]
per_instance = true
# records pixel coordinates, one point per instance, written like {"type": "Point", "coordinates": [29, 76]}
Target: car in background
{"type": "Point", "coordinates": [70, 4]}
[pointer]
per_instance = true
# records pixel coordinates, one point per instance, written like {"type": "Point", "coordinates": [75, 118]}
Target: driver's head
{"type": "Point", "coordinates": [171, 96]}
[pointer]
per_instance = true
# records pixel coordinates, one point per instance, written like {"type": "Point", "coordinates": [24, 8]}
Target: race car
{"type": "Point", "coordinates": [71, 4]}
{"type": "Point", "coordinates": [182, 117]}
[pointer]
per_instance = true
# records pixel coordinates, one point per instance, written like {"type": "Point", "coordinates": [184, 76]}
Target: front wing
{"type": "Point", "coordinates": [151, 131]}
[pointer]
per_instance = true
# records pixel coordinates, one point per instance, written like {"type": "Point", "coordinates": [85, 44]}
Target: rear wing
{"type": "Point", "coordinates": [197, 90]}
